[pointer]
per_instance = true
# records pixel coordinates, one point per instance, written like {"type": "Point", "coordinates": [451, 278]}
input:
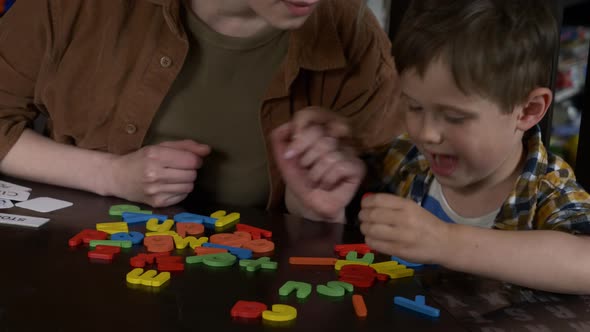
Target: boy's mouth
{"type": "Point", "coordinates": [443, 164]}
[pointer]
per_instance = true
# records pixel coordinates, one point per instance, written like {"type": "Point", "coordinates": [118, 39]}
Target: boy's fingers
{"type": "Point", "coordinates": [384, 200]}
{"type": "Point", "coordinates": [384, 232]}
{"type": "Point", "coordinates": [384, 246]}
{"type": "Point", "coordinates": [379, 215]}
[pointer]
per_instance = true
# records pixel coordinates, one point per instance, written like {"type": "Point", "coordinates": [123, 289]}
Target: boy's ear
{"type": "Point", "coordinates": [534, 108]}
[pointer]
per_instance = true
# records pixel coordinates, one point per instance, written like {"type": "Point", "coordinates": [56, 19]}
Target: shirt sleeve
{"type": "Point", "coordinates": [564, 205]}
{"type": "Point", "coordinates": [25, 38]}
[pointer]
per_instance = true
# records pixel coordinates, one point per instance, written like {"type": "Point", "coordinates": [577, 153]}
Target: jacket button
{"type": "Point", "coordinates": [130, 129]}
{"type": "Point", "coordinates": [165, 62]}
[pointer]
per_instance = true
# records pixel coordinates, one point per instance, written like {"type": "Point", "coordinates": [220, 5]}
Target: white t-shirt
{"type": "Point", "coordinates": [436, 204]}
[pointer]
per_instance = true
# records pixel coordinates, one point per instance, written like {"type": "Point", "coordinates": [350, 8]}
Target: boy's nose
{"type": "Point", "coordinates": [430, 132]}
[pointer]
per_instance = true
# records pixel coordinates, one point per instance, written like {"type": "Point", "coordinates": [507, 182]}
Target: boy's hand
{"type": "Point", "coordinates": [321, 176]}
{"type": "Point", "coordinates": [159, 175]}
{"type": "Point", "coordinates": [400, 227]}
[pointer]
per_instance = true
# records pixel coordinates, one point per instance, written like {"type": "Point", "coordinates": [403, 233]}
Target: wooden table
{"type": "Point", "coordinates": [45, 285]}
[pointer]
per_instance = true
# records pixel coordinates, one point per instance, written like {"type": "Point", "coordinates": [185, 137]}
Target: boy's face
{"type": "Point", "coordinates": [467, 140]}
{"type": "Point", "coordinates": [284, 14]}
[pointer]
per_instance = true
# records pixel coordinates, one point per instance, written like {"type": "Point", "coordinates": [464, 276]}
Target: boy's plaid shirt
{"type": "Point", "coordinates": [545, 196]}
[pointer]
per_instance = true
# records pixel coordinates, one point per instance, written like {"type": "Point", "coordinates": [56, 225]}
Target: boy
{"type": "Point", "coordinates": [477, 178]}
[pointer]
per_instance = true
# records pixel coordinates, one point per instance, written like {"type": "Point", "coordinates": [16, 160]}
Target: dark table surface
{"type": "Point", "coordinates": [45, 285]}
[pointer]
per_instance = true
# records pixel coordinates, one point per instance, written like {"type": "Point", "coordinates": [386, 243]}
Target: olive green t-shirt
{"type": "Point", "coordinates": [216, 100]}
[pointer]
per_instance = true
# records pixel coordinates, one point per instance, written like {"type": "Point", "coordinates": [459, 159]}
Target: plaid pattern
{"type": "Point", "coordinates": [545, 196]}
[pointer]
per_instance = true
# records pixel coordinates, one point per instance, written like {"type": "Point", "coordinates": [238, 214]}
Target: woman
{"type": "Point", "coordinates": [139, 95]}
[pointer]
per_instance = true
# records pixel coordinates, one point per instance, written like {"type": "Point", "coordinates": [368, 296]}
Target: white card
{"type": "Point", "coordinates": [15, 219]}
{"type": "Point", "coordinates": [44, 204]}
{"type": "Point", "coordinates": [14, 195]}
{"type": "Point", "coordinates": [12, 186]}
{"type": "Point", "coordinates": [5, 204]}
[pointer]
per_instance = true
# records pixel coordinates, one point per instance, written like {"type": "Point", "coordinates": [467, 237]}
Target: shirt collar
{"type": "Point", "coordinates": [416, 162]}
{"type": "Point", "coordinates": [171, 11]}
{"type": "Point", "coordinates": [536, 159]}
{"type": "Point", "coordinates": [316, 46]}
{"type": "Point", "coordinates": [518, 210]}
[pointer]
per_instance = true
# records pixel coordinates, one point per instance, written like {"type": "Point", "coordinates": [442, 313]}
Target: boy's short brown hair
{"type": "Point", "coordinates": [498, 49]}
